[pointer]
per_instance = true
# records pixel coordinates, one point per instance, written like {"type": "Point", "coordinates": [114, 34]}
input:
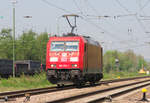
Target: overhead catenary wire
{"type": "Point", "coordinates": [82, 13]}
{"type": "Point", "coordinates": [82, 16]}
{"type": "Point", "coordinates": [136, 17]}
{"type": "Point", "coordinates": [144, 15]}
{"type": "Point", "coordinates": [145, 4]}
{"type": "Point", "coordinates": [140, 23]}
{"type": "Point", "coordinates": [85, 18]}
{"type": "Point", "coordinates": [122, 6]}
{"type": "Point", "coordinates": [74, 1]}
{"type": "Point", "coordinates": [91, 6]}
{"type": "Point", "coordinates": [105, 16]}
{"type": "Point", "coordinates": [105, 31]}
{"type": "Point", "coordinates": [53, 5]}
{"type": "Point", "coordinates": [140, 6]}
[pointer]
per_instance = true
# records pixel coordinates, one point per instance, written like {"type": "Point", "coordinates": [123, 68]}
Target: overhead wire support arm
{"type": "Point", "coordinates": [72, 26]}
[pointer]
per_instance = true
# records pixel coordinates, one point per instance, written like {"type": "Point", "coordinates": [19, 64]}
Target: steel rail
{"type": "Point", "coordinates": [37, 91]}
{"type": "Point", "coordinates": [123, 79]}
{"type": "Point", "coordinates": [118, 93]}
{"type": "Point", "coordinates": [72, 98]}
{"type": "Point", "coordinates": [21, 93]}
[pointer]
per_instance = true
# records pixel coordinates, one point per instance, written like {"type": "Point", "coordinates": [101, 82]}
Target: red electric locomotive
{"type": "Point", "coordinates": [76, 59]}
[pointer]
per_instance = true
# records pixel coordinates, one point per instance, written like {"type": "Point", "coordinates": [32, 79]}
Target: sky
{"type": "Point", "coordinates": [116, 24]}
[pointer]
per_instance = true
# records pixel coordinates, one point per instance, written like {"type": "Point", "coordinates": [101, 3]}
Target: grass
{"type": "Point", "coordinates": [121, 74]}
{"type": "Point", "coordinates": [39, 80]}
{"type": "Point", "coordinates": [24, 82]}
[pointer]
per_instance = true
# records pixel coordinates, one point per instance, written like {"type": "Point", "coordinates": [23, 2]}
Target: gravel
{"type": "Point", "coordinates": [42, 98]}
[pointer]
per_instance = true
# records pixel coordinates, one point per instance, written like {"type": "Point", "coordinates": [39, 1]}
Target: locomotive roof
{"type": "Point", "coordinates": [91, 41]}
{"type": "Point", "coordinates": [87, 38]}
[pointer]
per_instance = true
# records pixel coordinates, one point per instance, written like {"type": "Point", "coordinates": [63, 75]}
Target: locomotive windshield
{"type": "Point", "coordinates": [64, 46]}
{"type": "Point", "coordinates": [57, 46]}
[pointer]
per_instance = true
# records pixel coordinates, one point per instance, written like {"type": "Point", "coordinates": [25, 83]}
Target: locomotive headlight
{"type": "Point", "coordinates": [53, 65]}
{"type": "Point", "coordinates": [74, 65]}
{"type": "Point", "coordinates": [73, 59]}
{"type": "Point", "coordinates": [53, 59]}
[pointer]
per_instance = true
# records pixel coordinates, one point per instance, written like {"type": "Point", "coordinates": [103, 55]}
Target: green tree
{"type": "Point", "coordinates": [141, 62]}
{"type": "Point", "coordinates": [41, 43]}
{"type": "Point", "coordinates": [26, 46]}
{"type": "Point", "coordinates": [128, 61]}
{"type": "Point", "coordinates": [6, 44]}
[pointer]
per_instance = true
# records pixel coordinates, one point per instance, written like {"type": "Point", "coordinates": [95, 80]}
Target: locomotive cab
{"type": "Point", "coordinates": [71, 59]}
{"type": "Point", "coordinates": [63, 61]}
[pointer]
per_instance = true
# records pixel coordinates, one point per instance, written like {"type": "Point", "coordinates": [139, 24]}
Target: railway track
{"type": "Point", "coordinates": [100, 95]}
{"type": "Point", "coordinates": [21, 93]}
{"type": "Point", "coordinates": [37, 91]}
